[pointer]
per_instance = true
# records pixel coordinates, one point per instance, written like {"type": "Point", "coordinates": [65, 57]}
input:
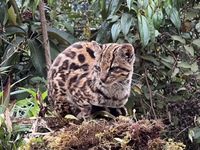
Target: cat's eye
{"type": "Point", "coordinates": [115, 69]}
{"type": "Point", "coordinates": [118, 69]}
{"type": "Point", "coordinates": [128, 55]}
{"type": "Point", "coordinates": [129, 58]}
{"type": "Point", "coordinates": [97, 68]}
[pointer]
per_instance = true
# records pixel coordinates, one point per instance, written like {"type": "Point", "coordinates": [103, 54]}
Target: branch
{"type": "Point", "coordinates": [45, 35]}
{"type": "Point", "coordinates": [150, 93]}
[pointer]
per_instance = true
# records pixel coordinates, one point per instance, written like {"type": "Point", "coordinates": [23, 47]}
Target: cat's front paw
{"type": "Point", "coordinates": [84, 113]}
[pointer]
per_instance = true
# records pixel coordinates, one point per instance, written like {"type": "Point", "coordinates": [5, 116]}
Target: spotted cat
{"type": "Point", "coordinates": [87, 74]}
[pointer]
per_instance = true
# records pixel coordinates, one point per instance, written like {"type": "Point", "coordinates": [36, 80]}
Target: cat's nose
{"type": "Point", "coordinates": [103, 77]}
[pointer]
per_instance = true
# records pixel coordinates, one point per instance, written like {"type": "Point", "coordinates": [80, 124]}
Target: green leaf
{"type": "Point", "coordinates": [145, 3]}
{"type": "Point", "coordinates": [12, 17]}
{"type": "Point", "coordinates": [181, 89]}
{"type": "Point", "coordinates": [158, 18]}
{"type": "Point", "coordinates": [37, 56]}
{"type": "Point", "coordinates": [178, 38]}
{"type": "Point", "coordinates": [113, 18]}
{"type": "Point", "coordinates": [175, 18]}
{"type": "Point", "coordinates": [103, 34]}
{"type": "Point", "coordinates": [185, 65]}
{"type": "Point", "coordinates": [143, 29]}
{"type": "Point", "coordinates": [152, 31]}
{"type": "Point", "coordinates": [35, 5]}
{"type": "Point", "coordinates": [168, 8]}
{"type": "Point", "coordinates": [194, 67]}
{"type": "Point", "coordinates": [190, 15]}
{"type": "Point", "coordinates": [130, 38]}
{"type": "Point", "coordinates": [51, 2]}
{"type": "Point", "coordinates": [196, 42]}
{"type": "Point", "coordinates": [104, 12]}
{"type": "Point", "coordinates": [2, 119]}
{"type": "Point", "coordinates": [194, 133]}
{"type": "Point", "coordinates": [197, 6]}
{"type": "Point", "coordinates": [168, 59]}
{"type": "Point", "coordinates": [152, 5]}
{"type": "Point", "coordinates": [26, 107]}
{"type": "Point", "coordinates": [175, 72]}
{"type": "Point", "coordinates": [10, 30]}
{"type": "Point", "coordinates": [62, 36]}
{"type": "Point", "coordinates": [142, 3]}
{"type": "Point", "coordinates": [149, 11]}
{"type": "Point", "coordinates": [126, 22]}
{"type": "Point", "coordinates": [167, 64]}
{"type": "Point", "coordinates": [11, 55]}
{"type": "Point", "coordinates": [189, 49]}
{"type": "Point", "coordinates": [129, 4]}
{"type": "Point", "coordinates": [115, 30]}
{"type": "Point", "coordinates": [137, 88]}
{"type": "Point", "coordinates": [54, 50]}
{"type": "Point", "coordinates": [114, 6]}
{"type": "Point", "coordinates": [4, 70]}
{"type": "Point", "coordinates": [17, 92]}
{"type": "Point", "coordinates": [35, 110]}
{"type": "Point", "coordinates": [30, 91]}
{"type": "Point", "coordinates": [151, 59]}
{"type": "Point", "coordinates": [44, 95]}
{"type": "Point", "coordinates": [25, 3]}
{"type": "Point", "coordinates": [6, 95]}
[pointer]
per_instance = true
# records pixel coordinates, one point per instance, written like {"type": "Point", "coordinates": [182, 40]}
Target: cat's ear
{"type": "Point", "coordinates": [97, 47]}
{"type": "Point", "coordinates": [128, 52]}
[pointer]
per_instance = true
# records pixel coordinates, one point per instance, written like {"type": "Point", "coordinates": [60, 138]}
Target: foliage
{"type": "Point", "coordinates": [28, 107]}
{"type": "Point", "coordinates": [11, 136]}
{"type": "Point", "coordinates": [21, 44]}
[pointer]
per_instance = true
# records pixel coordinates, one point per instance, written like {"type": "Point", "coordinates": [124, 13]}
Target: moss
{"type": "Point", "coordinates": [120, 133]}
{"type": "Point", "coordinates": [35, 144]}
{"type": "Point", "coordinates": [171, 145]}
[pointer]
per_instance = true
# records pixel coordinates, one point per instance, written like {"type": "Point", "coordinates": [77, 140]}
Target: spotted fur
{"type": "Point", "coordinates": [87, 73]}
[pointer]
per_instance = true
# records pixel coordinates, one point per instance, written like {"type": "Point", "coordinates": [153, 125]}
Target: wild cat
{"type": "Point", "coordinates": [87, 74]}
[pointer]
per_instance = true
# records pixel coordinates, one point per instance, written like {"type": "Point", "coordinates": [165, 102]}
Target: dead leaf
{"type": "Point", "coordinates": [8, 121]}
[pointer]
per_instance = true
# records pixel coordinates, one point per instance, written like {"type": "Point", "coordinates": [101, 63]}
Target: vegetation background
{"type": "Point", "coordinates": [166, 37]}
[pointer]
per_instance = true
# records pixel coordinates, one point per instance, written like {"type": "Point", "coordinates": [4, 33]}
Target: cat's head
{"type": "Point", "coordinates": [114, 62]}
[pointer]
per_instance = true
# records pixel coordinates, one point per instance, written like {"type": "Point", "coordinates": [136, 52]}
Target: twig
{"type": "Point", "coordinates": [182, 131]}
{"type": "Point", "coordinates": [36, 134]}
{"type": "Point", "coordinates": [150, 93]}
{"type": "Point", "coordinates": [14, 45]}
